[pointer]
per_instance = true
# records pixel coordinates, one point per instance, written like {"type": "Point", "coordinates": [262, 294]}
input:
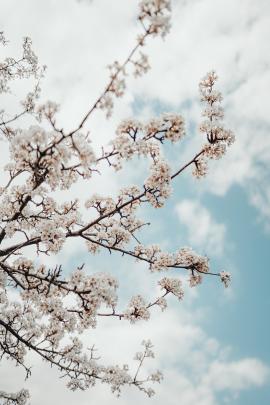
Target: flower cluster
{"type": "Point", "coordinates": [134, 138]}
{"type": "Point", "coordinates": [3, 40]}
{"type": "Point", "coordinates": [169, 126]}
{"type": "Point", "coordinates": [137, 309]}
{"type": "Point", "coordinates": [183, 258]}
{"type": "Point", "coordinates": [141, 65]}
{"type": "Point", "coordinates": [218, 137]}
{"type": "Point", "coordinates": [225, 278]}
{"type": "Point", "coordinates": [187, 257]}
{"type": "Point", "coordinates": [158, 183]}
{"type": "Point", "coordinates": [157, 14]}
{"type": "Point", "coordinates": [172, 285]}
{"type": "Point", "coordinates": [116, 377]}
{"type": "Point", "coordinates": [147, 344]}
{"type": "Point", "coordinates": [47, 111]}
{"type": "Point", "coordinates": [41, 218]}
{"type": "Point", "coordinates": [140, 357]}
{"type": "Point", "coordinates": [49, 156]}
{"type": "Point", "coordinates": [18, 398]}
{"type": "Point", "coordinates": [51, 235]}
{"type": "Point", "coordinates": [24, 67]}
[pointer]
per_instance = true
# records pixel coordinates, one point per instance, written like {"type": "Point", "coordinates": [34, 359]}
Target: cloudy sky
{"type": "Point", "coordinates": [214, 346]}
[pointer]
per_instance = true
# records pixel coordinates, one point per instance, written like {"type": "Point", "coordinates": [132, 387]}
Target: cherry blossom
{"type": "Point", "coordinates": [53, 307]}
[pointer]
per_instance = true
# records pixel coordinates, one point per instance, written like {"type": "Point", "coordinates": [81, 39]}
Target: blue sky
{"type": "Point", "coordinates": [214, 346]}
{"type": "Point", "coordinates": [239, 319]}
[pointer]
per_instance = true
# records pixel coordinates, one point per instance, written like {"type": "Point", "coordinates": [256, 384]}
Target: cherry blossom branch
{"type": "Point", "coordinates": [16, 117]}
{"type": "Point", "coordinates": [137, 256]}
{"type": "Point", "coordinates": [82, 371]}
{"type": "Point", "coordinates": [131, 201]}
{"type": "Point", "coordinates": [92, 223]}
{"type": "Point", "coordinates": [108, 88]}
{"type": "Point", "coordinates": [51, 307]}
{"type": "Point", "coordinates": [158, 24]}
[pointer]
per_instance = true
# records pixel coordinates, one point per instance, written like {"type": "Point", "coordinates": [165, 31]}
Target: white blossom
{"type": "Point", "coordinates": [53, 307]}
{"type": "Point", "coordinates": [218, 137]}
{"type": "Point", "coordinates": [157, 14]}
{"type": "Point", "coordinates": [172, 285]}
{"type": "Point", "coordinates": [137, 309]}
{"type": "Point", "coordinates": [225, 278]}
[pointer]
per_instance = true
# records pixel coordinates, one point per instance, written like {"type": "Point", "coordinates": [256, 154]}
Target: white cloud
{"type": "Point", "coordinates": [236, 375]}
{"type": "Point", "coordinates": [202, 230]}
